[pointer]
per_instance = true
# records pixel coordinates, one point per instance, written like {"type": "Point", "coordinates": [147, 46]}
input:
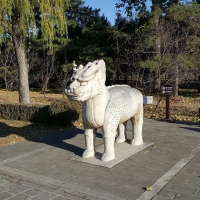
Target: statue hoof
{"type": "Point", "coordinates": [120, 139]}
{"type": "Point", "coordinates": [107, 157]}
{"type": "Point", "coordinates": [87, 153]}
{"type": "Point", "coordinates": [136, 141]}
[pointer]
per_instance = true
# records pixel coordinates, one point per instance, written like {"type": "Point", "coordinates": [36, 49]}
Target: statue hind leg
{"type": "Point", "coordinates": [122, 136]}
{"type": "Point", "coordinates": [137, 122]}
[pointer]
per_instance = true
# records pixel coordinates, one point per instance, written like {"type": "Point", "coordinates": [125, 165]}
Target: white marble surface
{"type": "Point", "coordinates": [123, 151]}
{"type": "Point", "coordinates": [108, 108]}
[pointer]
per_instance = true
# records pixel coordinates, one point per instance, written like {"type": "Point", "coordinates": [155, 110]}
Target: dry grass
{"type": "Point", "coordinates": [12, 131]}
{"type": "Point", "coordinates": [35, 95]}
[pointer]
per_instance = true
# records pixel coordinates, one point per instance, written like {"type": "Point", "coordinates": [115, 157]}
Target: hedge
{"type": "Point", "coordinates": [60, 112]}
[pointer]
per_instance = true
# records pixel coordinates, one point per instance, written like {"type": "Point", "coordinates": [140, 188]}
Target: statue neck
{"type": "Point", "coordinates": [94, 109]}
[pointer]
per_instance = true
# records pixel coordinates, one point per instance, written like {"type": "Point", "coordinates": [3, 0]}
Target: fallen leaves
{"type": "Point", "coordinates": [181, 109]}
{"type": "Point", "coordinates": [148, 188]}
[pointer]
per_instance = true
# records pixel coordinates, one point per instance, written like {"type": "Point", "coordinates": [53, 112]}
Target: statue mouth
{"type": "Point", "coordinates": [72, 96]}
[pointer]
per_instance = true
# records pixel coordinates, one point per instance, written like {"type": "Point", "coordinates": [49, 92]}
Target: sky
{"type": "Point", "coordinates": [107, 8]}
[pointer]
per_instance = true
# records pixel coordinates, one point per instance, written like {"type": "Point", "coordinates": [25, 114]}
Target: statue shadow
{"type": "Point", "coordinates": [59, 139]}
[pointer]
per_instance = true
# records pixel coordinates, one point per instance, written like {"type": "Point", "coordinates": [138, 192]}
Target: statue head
{"type": "Point", "coordinates": [87, 82]}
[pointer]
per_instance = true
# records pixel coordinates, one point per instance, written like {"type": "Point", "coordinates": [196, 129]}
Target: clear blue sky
{"type": "Point", "coordinates": [107, 8]}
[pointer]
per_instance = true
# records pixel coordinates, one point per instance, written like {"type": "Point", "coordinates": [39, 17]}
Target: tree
{"type": "Point", "coordinates": [89, 35]}
{"type": "Point", "coordinates": [186, 17]}
{"type": "Point", "coordinates": [45, 70]}
{"type": "Point", "coordinates": [18, 21]}
{"type": "Point", "coordinates": [8, 68]}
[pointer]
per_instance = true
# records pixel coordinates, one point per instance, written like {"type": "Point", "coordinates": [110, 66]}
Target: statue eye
{"type": "Point", "coordinates": [84, 83]}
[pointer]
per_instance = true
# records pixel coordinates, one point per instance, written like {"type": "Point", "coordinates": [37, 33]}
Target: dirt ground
{"type": "Point", "coordinates": [182, 108]}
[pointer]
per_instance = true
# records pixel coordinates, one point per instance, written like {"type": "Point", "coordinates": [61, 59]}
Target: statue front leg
{"type": "Point", "coordinates": [109, 140]}
{"type": "Point", "coordinates": [90, 135]}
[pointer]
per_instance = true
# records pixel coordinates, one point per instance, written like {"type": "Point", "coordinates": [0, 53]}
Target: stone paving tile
{"type": "Point", "coordinates": [5, 195]}
{"type": "Point", "coordinates": [143, 182]}
{"type": "Point", "coordinates": [89, 197]}
{"type": "Point", "coordinates": [119, 168]}
{"type": "Point", "coordinates": [33, 191]}
{"type": "Point", "coordinates": [123, 179]}
{"type": "Point", "coordinates": [154, 174]}
{"type": "Point", "coordinates": [181, 189]}
{"type": "Point", "coordinates": [167, 193]}
{"type": "Point", "coordinates": [197, 173]}
{"type": "Point", "coordinates": [20, 197]}
{"type": "Point", "coordinates": [140, 172]}
{"type": "Point", "coordinates": [109, 189]}
{"type": "Point", "coordinates": [178, 181]}
{"type": "Point", "coordinates": [191, 169]}
{"type": "Point", "coordinates": [158, 166]}
{"type": "Point", "coordinates": [198, 193]}
{"type": "Point", "coordinates": [184, 176]}
{"type": "Point", "coordinates": [105, 179]}
{"type": "Point", "coordinates": [61, 176]}
{"type": "Point", "coordinates": [137, 162]}
{"type": "Point", "coordinates": [182, 196]}
{"type": "Point", "coordinates": [158, 197]}
{"type": "Point", "coordinates": [6, 187]}
{"type": "Point", "coordinates": [60, 198]}
{"type": "Point", "coordinates": [131, 187]}
{"type": "Point", "coordinates": [44, 195]}
{"type": "Point", "coordinates": [3, 182]}
{"type": "Point", "coordinates": [130, 195]}
{"type": "Point", "coordinates": [18, 188]}
{"type": "Point", "coordinates": [80, 172]}
{"type": "Point", "coordinates": [193, 184]}
{"type": "Point", "coordinates": [70, 194]}
{"type": "Point", "coordinates": [43, 187]}
{"type": "Point", "coordinates": [84, 182]}
{"type": "Point", "coordinates": [127, 179]}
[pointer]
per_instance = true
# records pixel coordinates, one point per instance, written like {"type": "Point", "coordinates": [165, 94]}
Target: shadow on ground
{"type": "Point", "coordinates": [57, 138]}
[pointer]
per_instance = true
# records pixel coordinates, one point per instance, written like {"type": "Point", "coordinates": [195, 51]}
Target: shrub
{"type": "Point", "coordinates": [60, 112]}
{"type": "Point", "coordinates": [33, 113]}
{"type": "Point", "coordinates": [63, 112]}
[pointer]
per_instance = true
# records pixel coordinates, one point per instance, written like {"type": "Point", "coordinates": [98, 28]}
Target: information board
{"type": "Point", "coordinates": [167, 90]}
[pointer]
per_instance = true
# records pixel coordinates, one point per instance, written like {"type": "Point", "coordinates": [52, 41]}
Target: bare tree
{"type": "Point", "coordinates": [8, 69]}
{"type": "Point", "coordinates": [45, 70]}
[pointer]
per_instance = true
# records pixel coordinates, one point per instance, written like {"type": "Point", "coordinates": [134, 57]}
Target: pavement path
{"type": "Point", "coordinates": [41, 169]}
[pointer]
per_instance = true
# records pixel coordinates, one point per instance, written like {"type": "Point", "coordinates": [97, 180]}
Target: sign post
{"type": "Point", "coordinates": [167, 91]}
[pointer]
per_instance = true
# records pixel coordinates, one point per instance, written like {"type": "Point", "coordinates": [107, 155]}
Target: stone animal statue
{"type": "Point", "coordinates": [104, 107]}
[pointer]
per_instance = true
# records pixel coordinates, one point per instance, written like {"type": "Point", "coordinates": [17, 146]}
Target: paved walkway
{"type": "Point", "coordinates": [41, 169]}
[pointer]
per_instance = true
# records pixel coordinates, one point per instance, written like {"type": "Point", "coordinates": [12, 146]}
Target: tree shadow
{"type": "Point", "coordinates": [195, 129]}
{"type": "Point", "coordinates": [57, 138]}
{"type": "Point", "coordinates": [189, 123]}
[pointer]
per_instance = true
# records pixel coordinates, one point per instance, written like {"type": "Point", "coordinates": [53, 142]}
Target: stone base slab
{"type": "Point", "coordinates": [122, 151]}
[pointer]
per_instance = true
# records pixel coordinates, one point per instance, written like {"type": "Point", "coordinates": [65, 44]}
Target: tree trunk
{"type": "Point", "coordinates": [176, 82]}
{"type": "Point", "coordinates": [157, 80]}
{"type": "Point", "coordinates": [158, 55]}
{"type": "Point", "coordinates": [19, 45]}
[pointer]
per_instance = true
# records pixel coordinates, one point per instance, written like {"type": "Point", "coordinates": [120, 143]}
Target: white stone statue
{"type": "Point", "coordinates": [104, 107]}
